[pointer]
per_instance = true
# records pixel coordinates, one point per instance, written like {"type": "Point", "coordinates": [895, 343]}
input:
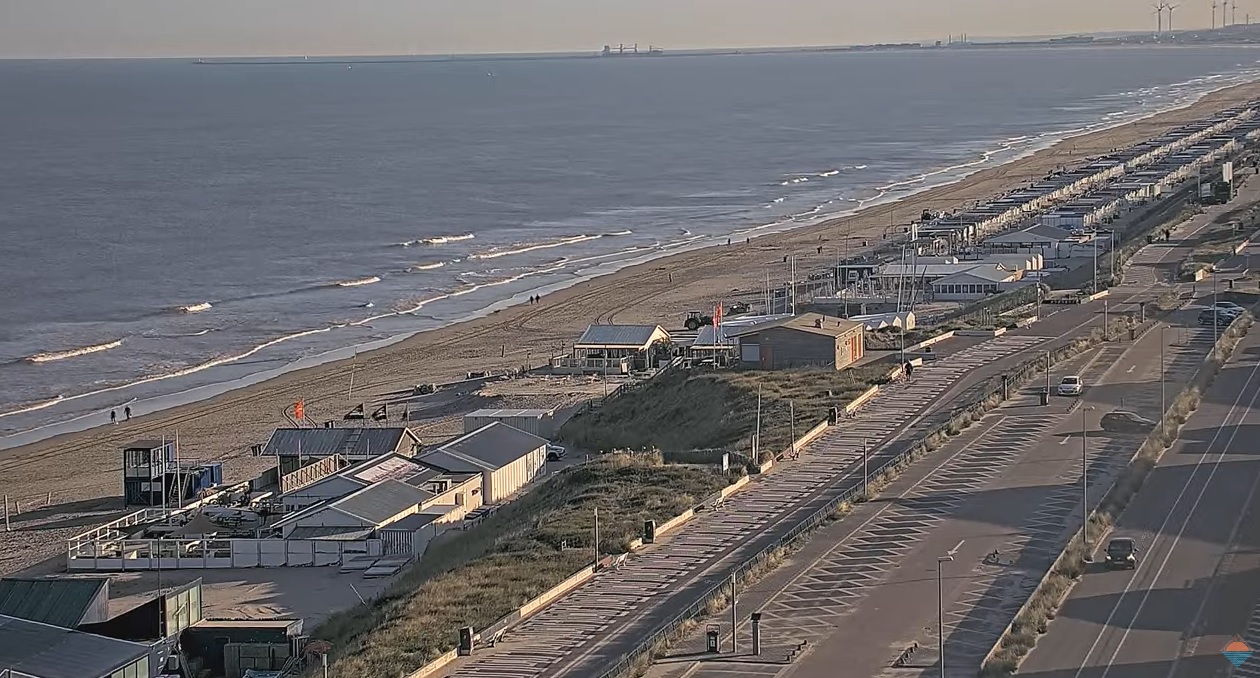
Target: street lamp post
{"type": "Point", "coordinates": [940, 603]}
{"type": "Point", "coordinates": [1085, 483]}
{"type": "Point", "coordinates": [1163, 398]}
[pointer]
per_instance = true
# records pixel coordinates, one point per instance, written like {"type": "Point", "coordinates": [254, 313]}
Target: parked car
{"type": "Point", "coordinates": [1221, 318]}
{"type": "Point", "coordinates": [1123, 421]}
{"type": "Point", "coordinates": [1070, 386]}
{"type": "Point", "coordinates": [1228, 306]}
{"type": "Point", "coordinates": [556, 452]}
{"type": "Point", "coordinates": [1122, 554]}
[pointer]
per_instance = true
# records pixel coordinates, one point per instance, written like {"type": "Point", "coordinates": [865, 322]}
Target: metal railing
{"type": "Point", "coordinates": [999, 385]}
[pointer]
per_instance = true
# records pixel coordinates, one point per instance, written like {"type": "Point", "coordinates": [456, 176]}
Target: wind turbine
{"type": "Point", "coordinates": [1214, 6]}
{"type": "Point", "coordinates": [1170, 9]}
{"type": "Point", "coordinates": [1224, 13]}
{"type": "Point", "coordinates": [1159, 18]}
{"type": "Point", "coordinates": [1235, 17]}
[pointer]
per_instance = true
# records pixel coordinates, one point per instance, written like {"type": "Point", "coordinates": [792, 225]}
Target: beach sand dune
{"type": "Point", "coordinates": [86, 466]}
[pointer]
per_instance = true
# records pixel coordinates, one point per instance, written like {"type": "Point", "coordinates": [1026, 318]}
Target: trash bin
{"type": "Point", "coordinates": [1045, 397]}
{"type": "Point", "coordinates": [712, 639]}
{"type": "Point", "coordinates": [465, 641]}
{"type": "Point", "coordinates": [1132, 333]}
{"type": "Point", "coordinates": [649, 531]}
{"type": "Point", "coordinates": [1150, 239]}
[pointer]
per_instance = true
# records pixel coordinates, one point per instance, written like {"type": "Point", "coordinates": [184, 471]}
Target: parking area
{"type": "Point", "coordinates": [593, 626]}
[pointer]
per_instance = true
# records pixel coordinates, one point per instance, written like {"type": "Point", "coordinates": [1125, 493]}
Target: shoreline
{"type": "Point", "coordinates": [96, 405]}
{"type": "Point", "coordinates": [83, 464]}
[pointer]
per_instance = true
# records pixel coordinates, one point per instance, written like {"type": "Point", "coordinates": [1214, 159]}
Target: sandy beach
{"type": "Point", "coordinates": [82, 470]}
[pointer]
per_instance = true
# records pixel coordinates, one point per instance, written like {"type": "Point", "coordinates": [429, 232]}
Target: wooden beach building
{"type": "Point", "coordinates": [616, 349]}
{"type": "Point", "coordinates": [808, 340]}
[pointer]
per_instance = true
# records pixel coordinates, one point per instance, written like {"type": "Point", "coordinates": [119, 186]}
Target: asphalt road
{"type": "Point", "coordinates": [592, 628]}
{"type": "Point", "coordinates": [1196, 582]}
{"type": "Point", "coordinates": [864, 589]}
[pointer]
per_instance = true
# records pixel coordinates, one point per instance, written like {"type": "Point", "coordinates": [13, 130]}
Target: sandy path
{"type": "Point", "coordinates": [86, 466]}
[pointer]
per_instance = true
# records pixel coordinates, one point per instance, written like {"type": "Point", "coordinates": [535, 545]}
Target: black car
{"type": "Point", "coordinates": [1123, 421]}
{"type": "Point", "coordinates": [1122, 554]}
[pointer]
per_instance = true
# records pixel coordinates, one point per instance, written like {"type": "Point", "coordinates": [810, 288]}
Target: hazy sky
{"type": "Point", "coordinates": [54, 28]}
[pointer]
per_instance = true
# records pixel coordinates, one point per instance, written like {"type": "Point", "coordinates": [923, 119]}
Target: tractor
{"type": "Point", "coordinates": [696, 320]}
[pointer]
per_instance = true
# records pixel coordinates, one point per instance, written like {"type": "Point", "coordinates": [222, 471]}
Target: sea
{"type": "Point", "coordinates": [173, 229]}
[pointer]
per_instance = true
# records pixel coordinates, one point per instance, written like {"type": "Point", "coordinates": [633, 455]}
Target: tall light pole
{"type": "Point", "coordinates": [940, 603]}
{"type": "Point", "coordinates": [1216, 327]}
{"type": "Point", "coordinates": [1163, 398]}
{"type": "Point", "coordinates": [1085, 482]}
{"type": "Point", "coordinates": [1095, 239]}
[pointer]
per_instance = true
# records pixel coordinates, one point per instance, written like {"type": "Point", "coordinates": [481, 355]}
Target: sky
{"type": "Point", "coordinates": [155, 28]}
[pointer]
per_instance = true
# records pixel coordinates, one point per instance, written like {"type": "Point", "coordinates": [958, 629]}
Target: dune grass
{"type": "Point", "coordinates": [520, 551]}
{"type": "Point", "coordinates": [682, 410]}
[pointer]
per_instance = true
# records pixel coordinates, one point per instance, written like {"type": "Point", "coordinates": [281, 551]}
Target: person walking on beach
{"type": "Point", "coordinates": [127, 412]}
{"type": "Point", "coordinates": [113, 417]}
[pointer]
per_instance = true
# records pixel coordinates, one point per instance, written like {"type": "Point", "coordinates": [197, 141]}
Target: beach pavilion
{"type": "Point", "coordinates": [619, 349]}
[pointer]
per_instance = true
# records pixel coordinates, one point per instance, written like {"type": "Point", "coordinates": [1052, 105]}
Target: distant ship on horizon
{"type": "Point", "coordinates": [632, 51]}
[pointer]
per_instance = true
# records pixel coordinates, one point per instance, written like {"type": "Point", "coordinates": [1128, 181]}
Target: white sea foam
{"type": "Point", "coordinates": [53, 356]}
{"type": "Point", "coordinates": [194, 308]}
{"type": "Point", "coordinates": [533, 247]}
{"type": "Point", "coordinates": [359, 282]}
{"type": "Point", "coordinates": [437, 240]}
{"type": "Point", "coordinates": [425, 267]}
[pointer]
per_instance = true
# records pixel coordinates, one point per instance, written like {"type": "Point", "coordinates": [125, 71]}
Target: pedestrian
{"type": "Point", "coordinates": [113, 417]}
{"type": "Point", "coordinates": [127, 412]}
{"type": "Point", "coordinates": [909, 371]}
{"type": "Point", "coordinates": [820, 249]}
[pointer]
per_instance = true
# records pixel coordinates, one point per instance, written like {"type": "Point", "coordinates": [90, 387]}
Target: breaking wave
{"type": "Point", "coordinates": [194, 308]}
{"type": "Point", "coordinates": [425, 267]}
{"type": "Point", "coordinates": [73, 353]}
{"type": "Point", "coordinates": [437, 240]}
{"type": "Point", "coordinates": [359, 282]}
{"type": "Point", "coordinates": [533, 247]}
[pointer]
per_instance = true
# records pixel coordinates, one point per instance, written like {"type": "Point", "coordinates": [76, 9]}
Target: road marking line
{"type": "Point", "coordinates": [1116, 608]}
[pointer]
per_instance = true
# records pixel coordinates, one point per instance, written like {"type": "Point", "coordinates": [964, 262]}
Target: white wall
{"type": "Point", "coordinates": [502, 483]}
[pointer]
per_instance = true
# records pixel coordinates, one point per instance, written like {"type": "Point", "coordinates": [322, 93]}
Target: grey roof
{"type": "Point", "coordinates": [382, 501]}
{"type": "Point", "coordinates": [511, 413]}
{"type": "Point", "coordinates": [490, 447]}
{"type": "Point", "coordinates": [618, 336]}
{"type": "Point", "coordinates": [146, 444]}
{"type": "Point", "coordinates": [47, 651]}
{"type": "Point", "coordinates": [330, 533]}
{"type": "Point", "coordinates": [806, 322]}
{"type": "Point", "coordinates": [1033, 234]}
{"type": "Point", "coordinates": [990, 273]}
{"type": "Point", "coordinates": [413, 522]}
{"type": "Point", "coordinates": [325, 442]}
{"type": "Point", "coordinates": [60, 602]}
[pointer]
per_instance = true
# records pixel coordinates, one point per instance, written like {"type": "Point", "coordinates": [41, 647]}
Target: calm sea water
{"type": "Point", "coordinates": [168, 225]}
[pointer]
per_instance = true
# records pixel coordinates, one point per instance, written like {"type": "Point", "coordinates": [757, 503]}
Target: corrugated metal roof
{"type": "Point", "coordinates": [510, 413]}
{"type": "Point", "coordinates": [329, 533]}
{"type": "Point", "coordinates": [382, 501]}
{"type": "Point", "coordinates": [982, 272]}
{"type": "Point", "coordinates": [60, 602]}
{"type": "Point", "coordinates": [53, 652]}
{"type": "Point", "coordinates": [490, 447]}
{"type": "Point", "coordinates": [618, 336]}
{"type": "Point", "coordinates": [413, 522]}
{"type": "Point", "coordinates": [806, 322]}
{"type": "Point", "coordinates": [325, 442]}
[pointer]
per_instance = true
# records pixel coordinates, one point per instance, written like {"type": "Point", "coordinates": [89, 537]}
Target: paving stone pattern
{"type": "Point", "coordinates": [565, 639]}
{"type": "Point", "coordinates": [996, 591]}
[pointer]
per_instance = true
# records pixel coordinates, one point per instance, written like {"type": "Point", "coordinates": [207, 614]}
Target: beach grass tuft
{"type": "Point", "coordinates": [475, 577]}
{"type": "Point", "coordinates": [681, 411]}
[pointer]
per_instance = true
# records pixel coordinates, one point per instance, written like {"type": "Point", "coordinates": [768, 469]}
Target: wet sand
{"type": "Point", "coordinates": [86, 467]}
